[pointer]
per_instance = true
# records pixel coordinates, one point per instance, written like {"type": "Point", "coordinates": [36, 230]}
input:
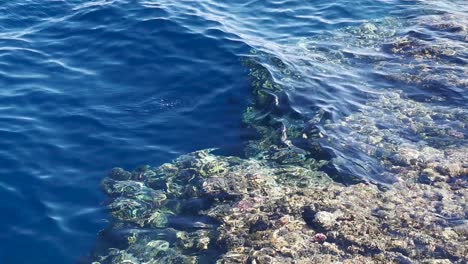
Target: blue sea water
{"type": "Point", "coordinates": [90, 85]}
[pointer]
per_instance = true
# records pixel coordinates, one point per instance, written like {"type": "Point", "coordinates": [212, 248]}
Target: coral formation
{"type": "Point", "coordinates": [285, 203]}
{"type": "Point", "coordinates": [261, 211]}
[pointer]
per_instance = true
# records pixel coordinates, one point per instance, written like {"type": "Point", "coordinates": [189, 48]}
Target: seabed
{"type": "Point", "coordinates": [285, 201]}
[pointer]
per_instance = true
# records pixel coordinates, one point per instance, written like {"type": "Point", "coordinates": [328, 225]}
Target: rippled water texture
{"type": "Point", "coordinates": [90, 85]}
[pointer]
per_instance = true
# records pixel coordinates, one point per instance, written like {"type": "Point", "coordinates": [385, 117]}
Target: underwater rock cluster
{"type": "Point", "coordinates": [408, 138]}
{"type": "Point", "coordinates": [284, 204]}
{"type": "Point", "coordinates": [278, 207]}
{"type": "Point", "coordinates": [429, 51]}
{"type": "Point", "coordinates": [436, 64]}
{"type": "Point", "coordinates": [405, 57]}
{"type": "Point", "coordinates": [204, 208]}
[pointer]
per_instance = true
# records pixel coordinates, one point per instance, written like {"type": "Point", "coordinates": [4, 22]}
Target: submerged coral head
{"type": "Point", "coordinates": [319, 237]}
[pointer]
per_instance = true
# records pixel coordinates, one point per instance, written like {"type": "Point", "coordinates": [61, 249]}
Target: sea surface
{"type": "Point", "coordinates": [90, 85]}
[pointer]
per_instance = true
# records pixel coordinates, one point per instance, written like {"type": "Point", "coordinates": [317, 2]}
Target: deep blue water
{"type": "Point", "coordinates": [90, 85]}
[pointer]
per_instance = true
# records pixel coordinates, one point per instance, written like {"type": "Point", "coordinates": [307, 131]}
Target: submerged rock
{"type": "Point", "coordinates": [259, 216]}
{"type": "Point", "coordinates": [280, 203]}
{"type": "Point", "coordinates": [325, 220]}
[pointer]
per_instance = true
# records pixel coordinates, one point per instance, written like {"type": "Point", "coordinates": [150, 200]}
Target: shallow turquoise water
{"type": "Point", "coordinates": [89, 85]}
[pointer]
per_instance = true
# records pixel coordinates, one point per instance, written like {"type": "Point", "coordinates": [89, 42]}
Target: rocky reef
{"type": "Point", "coordinates": [204, 208]}
{"type": "Point", "coordinates": [436, 64]}
{"type": "Point", "coordinates": [404, 137]}
{"type": "Point", "coordinates": [431, 71]}
{"type": "Point", "coordinates": [286, 201]}
{"type": "Point", "coordinates": [279, 207]}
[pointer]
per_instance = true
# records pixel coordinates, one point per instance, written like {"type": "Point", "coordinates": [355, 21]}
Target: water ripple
{"type": "Point", "coordinates": [91, 85]}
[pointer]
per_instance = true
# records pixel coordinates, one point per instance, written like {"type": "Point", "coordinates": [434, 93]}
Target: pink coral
{"type": "Point", "coordinates": [319, 237]}
{"type": "Point", "coordinates": [244, 205]}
